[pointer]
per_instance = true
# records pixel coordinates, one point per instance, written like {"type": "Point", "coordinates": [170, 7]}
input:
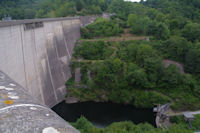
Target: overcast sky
{"type": "Point", "coordinates": [133, 0]}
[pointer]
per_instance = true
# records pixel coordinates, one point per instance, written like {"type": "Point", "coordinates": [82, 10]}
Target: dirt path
{"type": "Point", "coordinates": [83, 60]}
{"type": "Point", "coordinates": [117, 39]}
{"type": "Point", "coordinates": [115, 51]}
{"type": "Point", "coordinates": [177, 64]}
{"type": "Point", "coordinates": [126, 36]}
{"type": "Point", "coordinates": [171, 113]}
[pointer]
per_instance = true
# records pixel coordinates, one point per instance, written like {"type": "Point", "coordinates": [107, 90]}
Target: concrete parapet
{"type": "Point", "coordinates": [21, 113]}
{"type": "Point", "coordinates": [25, 21]}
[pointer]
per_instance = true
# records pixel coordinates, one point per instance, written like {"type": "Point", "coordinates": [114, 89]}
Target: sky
{"type": "Point", "coordinates": [133, 0]}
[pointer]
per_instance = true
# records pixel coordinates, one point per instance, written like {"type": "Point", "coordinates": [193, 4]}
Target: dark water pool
{"type": "Point", "coordinates": [103, 114]}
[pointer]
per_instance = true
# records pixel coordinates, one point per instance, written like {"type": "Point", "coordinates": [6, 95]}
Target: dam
{"type": "Point", "coordinates": [34, 66]}
{"type": "Point", "coordinates": [36, 54]}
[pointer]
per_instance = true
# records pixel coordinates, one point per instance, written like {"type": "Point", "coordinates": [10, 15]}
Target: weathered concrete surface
{"type": "Point", "coordinates": [38, 58]}
{"type": "Point", "coordinates": [21, 113]}
{"type": "Point", "coordinates": [85, 20]}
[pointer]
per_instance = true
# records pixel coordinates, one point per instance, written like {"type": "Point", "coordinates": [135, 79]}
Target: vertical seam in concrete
{"type": "Point", "coordinates": [37, 73]}
{"type": "Point", "coordinates": [57, 49]}
{"type": "Point", "coordinates": [74, 26]}
{"type": "Point", "coordinates": [50, 74]}
{"type": "Point", "coordinates": [65, 41]}
{"type": "Point", "coordinates": [54, 45]}
{"type": "Point", "coordinates": [23, 56]}
{"type": "Point", "coordinates": [72, 37]}
{"type": "Point", "coordinates": [63, 74]}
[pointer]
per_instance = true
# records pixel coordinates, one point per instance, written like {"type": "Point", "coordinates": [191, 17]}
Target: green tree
{"type": "Point", "coordinates": [101, 28]}
{"type": "Point", "coordinates": [138, 24]}
{"type": "Point", "coordinates": [137, 77]}
{"type": "Point", "coordinates": [162, 32]}
{"type": "Point", "coordinates": [192, 59]}
{"type": "Point", "coordinates": [145, 51]}
{"type": "Point", "coordinates": [175, 48]}
{"type": "Point", "coordinates": [92, 50]}
{"type": "Point", "coordinates": [171, 78]}
{"type": "Point", "coordinates": [191, 31]}
{"type": "Point", "coordinates": [121, 8]}
{"type": "Point", "coordinates": [79, 5]}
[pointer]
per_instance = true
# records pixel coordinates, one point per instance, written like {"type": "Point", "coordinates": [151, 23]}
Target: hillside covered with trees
{"type": "Point", "coordinates": [27, 9]}
{"type": "Point", "coordinates": [134, 70]}
{"type": "Point", "coordinates": [155, 61]}
{"type": "Point", "coordinates": [19, 9]}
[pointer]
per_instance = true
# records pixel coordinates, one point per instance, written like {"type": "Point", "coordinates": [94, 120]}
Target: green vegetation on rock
{"type": "Point", "coordinates": [101, 28]}
{"type": "Point", "coordinates": [144, 73]}
{"type": "Point", "coordinates": [127, 127]}
{"type": "Point", "coordinates": [98, 50]}
{"type": "Point", "coordinates": [135, 74]}
{"type": "Point", "coordinates": [180, 120]}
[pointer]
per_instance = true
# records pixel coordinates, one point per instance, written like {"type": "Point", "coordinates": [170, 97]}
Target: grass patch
{"type": "Point", "coordinates": [181, 120]}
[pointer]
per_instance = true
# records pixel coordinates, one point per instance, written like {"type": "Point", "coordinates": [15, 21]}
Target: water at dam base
{"type": "Point", "coordinates": [103, 114]}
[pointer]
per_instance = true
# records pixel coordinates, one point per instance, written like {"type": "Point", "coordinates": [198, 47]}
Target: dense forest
{"type": "Point", "coordinates": [146, 54]}
{"type": "Point", "coordinates": [19, 9]}
{"type": "Point", "coordinates": [180, 126]}
{"type": "Point", "coordinates": [26, 9]}
{"type": "Point", "coordinates": [176, 9]}
{"type": "Point", "coordinates": [135, 71]}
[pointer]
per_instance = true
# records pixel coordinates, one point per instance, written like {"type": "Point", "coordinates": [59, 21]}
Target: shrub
{"type": "Point", "coordinates": [101, 28]}
{"type": "Point", "coordinates": [93, 50]}
{"type": "Point", "coordinates": [148, 99]}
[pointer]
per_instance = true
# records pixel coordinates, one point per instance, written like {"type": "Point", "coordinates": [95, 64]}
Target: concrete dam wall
{"type": "Point", "coordinates": [36, 54]}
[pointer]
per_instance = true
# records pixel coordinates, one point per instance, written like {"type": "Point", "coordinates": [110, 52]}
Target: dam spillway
{"type": "Point", "coordinates": [36, 53]}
